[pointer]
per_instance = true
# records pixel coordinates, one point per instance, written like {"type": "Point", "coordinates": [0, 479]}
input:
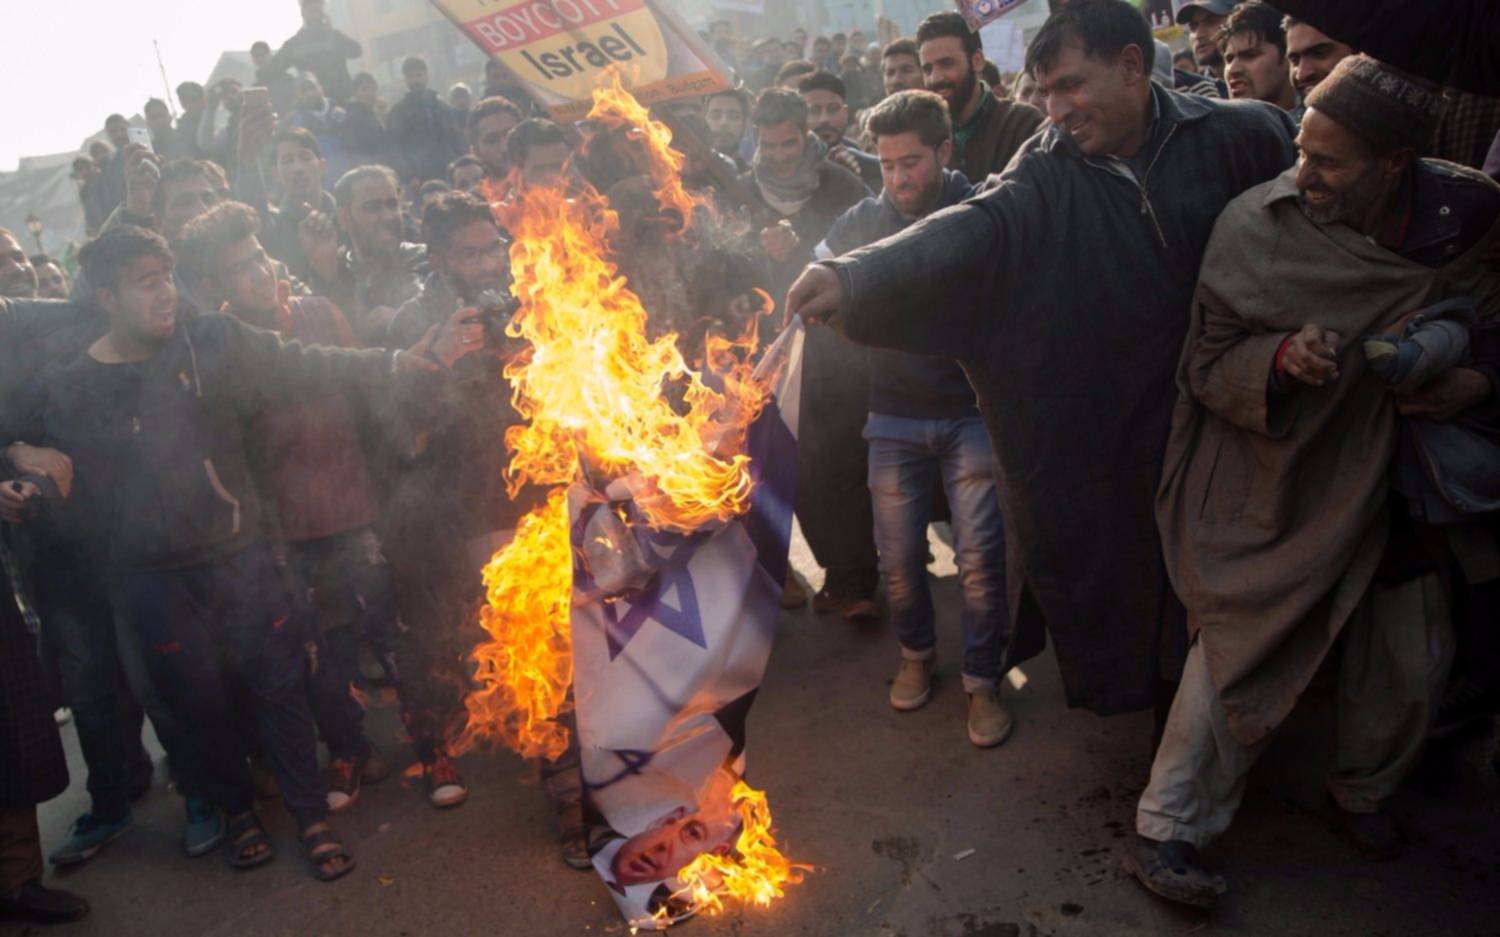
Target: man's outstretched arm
{"type": "Point", "coordinates": [931, 288]}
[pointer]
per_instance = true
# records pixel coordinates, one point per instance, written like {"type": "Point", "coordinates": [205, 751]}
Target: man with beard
{"type": "Point", "coordinates": [449, 511]}
{"type": "Point", "coordinates": [1253, 45]}
{"type": "Point", "coordinates": [727, 114]}
{"type": "Point", "coordinates": [900, 66]}
{"type": "Point", "coordinates": [1277, 515]}
{"type": "Point", "coordinates": [374, 271]}
{"type": "Point", "coordinates": [490, 122]}
{"type": "Point", "coordinates": [796, 194]}
{"type": "Point", "coordinates": [1203, 19]}
{"type": "Point", "coordinates": [1311, 54]}
{"type": "Point", "coordinates": [1078, 427]}
{"type": "Point", "coordinates": [827, 101]}
{"type": "Point", "coordinates": [924, 430]}
{"type": "Point", "coordinates": [986, 130]}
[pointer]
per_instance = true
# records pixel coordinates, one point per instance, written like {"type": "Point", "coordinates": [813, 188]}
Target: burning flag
{"type": "Point", "coordinates": [650, 580]}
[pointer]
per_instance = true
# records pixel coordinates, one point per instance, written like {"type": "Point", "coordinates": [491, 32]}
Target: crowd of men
{"type": "Point", "coordinates": [1195, 354]}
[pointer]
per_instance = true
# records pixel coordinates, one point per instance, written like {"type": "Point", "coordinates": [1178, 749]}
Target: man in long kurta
{"type": "Point", "coordinates": [1276, 511]}
{"type": "Point", "coordinates": [1063, 291]}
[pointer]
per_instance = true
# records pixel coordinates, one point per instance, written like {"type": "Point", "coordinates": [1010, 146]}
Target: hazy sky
{"type": "Point", "coordinates": [68, 66]}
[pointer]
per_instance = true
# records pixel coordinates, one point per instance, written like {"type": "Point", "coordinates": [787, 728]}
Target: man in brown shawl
{"type": "Point", "coordinates": [1273, 508]}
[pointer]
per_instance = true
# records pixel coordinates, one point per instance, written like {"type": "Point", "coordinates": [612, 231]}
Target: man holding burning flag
{"type": "Point", "coordinates": [1063, 291]}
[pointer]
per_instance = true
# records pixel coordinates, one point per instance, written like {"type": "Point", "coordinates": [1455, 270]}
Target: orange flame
{"type": "Point", "coordinates": [756, 873]}
{"type": "Point", "coordinates": [591, 387]}
{"type": "Point", "coordinates": [525, 670]}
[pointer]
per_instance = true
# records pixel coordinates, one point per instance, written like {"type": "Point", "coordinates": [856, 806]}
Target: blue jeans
{"type": "Point", "coordinates": [908, 459]}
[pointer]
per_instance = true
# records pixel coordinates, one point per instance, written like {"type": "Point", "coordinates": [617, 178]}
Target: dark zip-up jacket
{"type": "Point", "coordinates": [158, 446]}
{"type": "Point", "coordinates": [1064, 290]}
{"type": "Point", "coordinates": [914, 386]}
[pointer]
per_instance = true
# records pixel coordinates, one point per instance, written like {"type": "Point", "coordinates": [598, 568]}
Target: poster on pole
{"type": "Point", "coordinates": [558, 49]}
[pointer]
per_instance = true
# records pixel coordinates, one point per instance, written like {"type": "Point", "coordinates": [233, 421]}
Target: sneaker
{"type": "Point", "coordinates": [912, 687]}
{"type": "Point", "coordinates": [86, 837]}
{"type": "Point", "coordinates": [792, 594]}
{"type": "Point", "coordinates": [989, 721]}
{"type": "Point", "coordinates": [205, 827]}
{"type": "Point", "coordinates": [444, 787]}
{"type": "Point", "coordinates": [1464, 704]}
{"type": "Point", "coordinates": [344, 777]}
{"type": "Point", "coordinates": [38, 904]}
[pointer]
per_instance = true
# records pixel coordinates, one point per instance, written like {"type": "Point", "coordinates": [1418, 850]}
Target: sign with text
{"type": "Point", "coordinates": [558, 49]}
{"type": "Point", "coordinates": [979, 12]}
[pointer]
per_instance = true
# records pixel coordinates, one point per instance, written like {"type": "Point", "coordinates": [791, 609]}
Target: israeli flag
{"type": "Point", "coordinates": [664, 674]}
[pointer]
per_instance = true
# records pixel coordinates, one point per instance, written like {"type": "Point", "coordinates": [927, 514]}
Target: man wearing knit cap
{"type": "Point", "coordinates": [1279, 522]}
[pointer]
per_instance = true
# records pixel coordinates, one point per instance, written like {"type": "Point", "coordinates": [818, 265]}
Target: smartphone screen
{"type": "Point", "coordinates": [139, 135]}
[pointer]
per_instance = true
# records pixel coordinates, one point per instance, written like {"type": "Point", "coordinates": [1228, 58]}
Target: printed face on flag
{"type": "Point", "coordinates": [671, 636]}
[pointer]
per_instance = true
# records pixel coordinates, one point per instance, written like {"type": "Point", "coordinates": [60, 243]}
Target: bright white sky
{"type": "Point", "coordinates": [68, 65]}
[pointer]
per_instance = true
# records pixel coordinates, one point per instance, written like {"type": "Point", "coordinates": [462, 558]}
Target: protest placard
{"type": "Point", "coordinates": [558, 49]}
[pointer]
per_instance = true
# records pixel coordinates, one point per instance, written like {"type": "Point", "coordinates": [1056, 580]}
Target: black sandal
{"type": "Point", "coordinates": [313, 842]}
{"type": "Point", "coordinates": [244, 834]}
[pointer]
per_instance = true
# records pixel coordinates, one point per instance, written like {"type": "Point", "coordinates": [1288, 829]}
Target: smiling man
{"type": "Point", "coordinates": [1066, 285]}
{"type": "Point", "coordinates": [1311, 54]}
{"type": "Point", "coordinates": [1288, 532]}
{"type": "Point", "coordinates": [924, 430]}
{"type": "Point", "coordinates": [987, 131]}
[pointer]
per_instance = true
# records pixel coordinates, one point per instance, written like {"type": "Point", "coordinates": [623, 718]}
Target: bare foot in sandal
{"type": "Point", "coordinates": [326, 853]}
{"type": "Point", "coordinates": [248, 845]}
